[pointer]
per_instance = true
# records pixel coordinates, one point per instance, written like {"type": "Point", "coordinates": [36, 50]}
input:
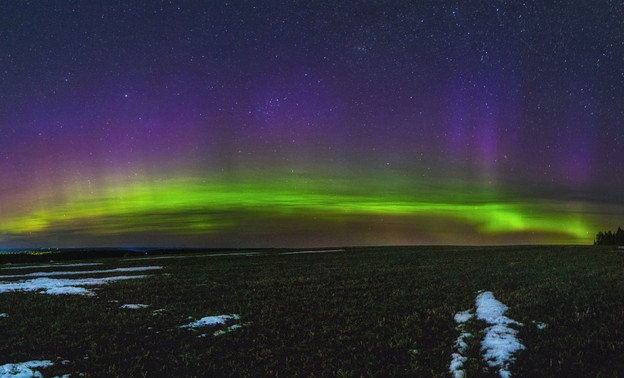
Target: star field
{"type": "Point", "coordinates": [310, 123]}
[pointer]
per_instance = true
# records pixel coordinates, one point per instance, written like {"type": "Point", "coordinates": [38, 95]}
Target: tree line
{"type": "Point", "coordinates": [610, 238]}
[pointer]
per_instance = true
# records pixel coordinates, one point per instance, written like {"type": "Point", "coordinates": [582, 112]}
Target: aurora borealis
{"type": "Point", "coordinates": [316, 123]}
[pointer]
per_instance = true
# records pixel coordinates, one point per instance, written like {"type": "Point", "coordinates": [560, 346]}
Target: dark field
{"type": "Point", "coordinates": [386, 311]}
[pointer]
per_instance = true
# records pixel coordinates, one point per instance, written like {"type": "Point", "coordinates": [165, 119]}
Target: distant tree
{"type": "Point", "coordinates": [599, 238]}
{"type": "Point", "coordinates": [610, 238]}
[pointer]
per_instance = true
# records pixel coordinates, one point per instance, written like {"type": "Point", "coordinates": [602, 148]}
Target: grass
{"type": "Point", "coordinates": [385, 311]}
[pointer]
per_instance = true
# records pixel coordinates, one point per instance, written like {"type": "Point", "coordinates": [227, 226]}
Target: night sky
{"type": "Point", "coordinates": [310, 123]}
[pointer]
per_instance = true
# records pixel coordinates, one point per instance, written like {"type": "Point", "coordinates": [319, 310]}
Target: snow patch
{"type": "Point", "coordinates": [214, 320]}
{"type": "Point", "coordinates": [228, 329]}
{"type": "Point", "coordinates": [457, 363]}
{"type": "Point", "coordinates": [461, 343]}
{"type": "Point", "coordinates": [499, 343]}
{"type": "Point", "coordinates": [491, 310]}
{"type": "Point", "coordinates": [457, 359]}
{"type": "Point", "coordinates": [135, 306]}
{"type": "Point", "coordinates": [50, 266]}
{"type": "Point", "coordinates": [56, 286]}
{"type": "Point", "coordinates": [66, 273]}
{"type": "Point", "coordinates": [540, 326]}
{"type": "Point", "coordinates": [211, 320]}
{"type": "Point", "coordinates": [24, 369]}
{"type": "Point", "coordinates": [463, 317]}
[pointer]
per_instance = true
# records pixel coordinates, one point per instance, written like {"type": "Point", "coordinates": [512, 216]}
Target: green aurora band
{"type": "Point", "coordinates": [194, 206]}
